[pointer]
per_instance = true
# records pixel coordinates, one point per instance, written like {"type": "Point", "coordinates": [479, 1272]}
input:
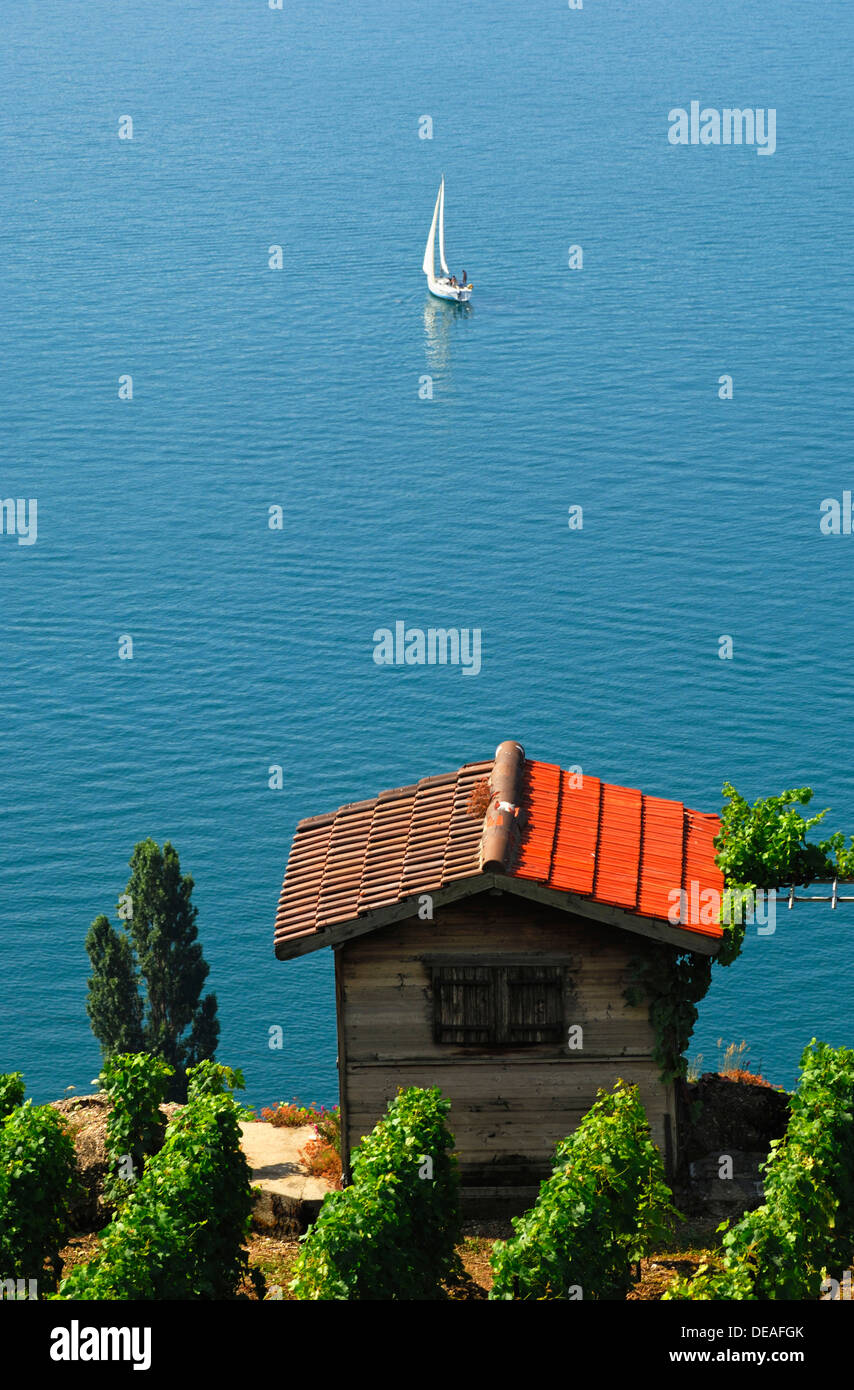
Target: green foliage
{"type": "Point", "coordinates": [143, 1255]}
{"type": "Point", "coordinates": [327, 1127]}
{"type": "Point", "coordinates": [844, 861]}
{"type": "Point", "coordinates": [765, 845]}
{"type": "Point", "coordinates": [715, 1281]}
{"type": "Point", "coordinates": [37, 1177]}
{"type": "Point", "coordinates": [604, 1207]}
{"type": "Point", "coordinates": [11, 1092]}
{"type": "Point", "coordinates": [392, 1234]}
{"type": "Point", "coordinates": [204, 1170]}
{"type": "Point", "coordinates": [733, 923]}
{"type": "Point", "coordinates": [673, 981]}
{"type": "Point", "coordinates": [805, 1227]}
{"type": "Point", "coordinates": [114, 1004]}
{"type": "Point", "coordinates": [161, 949]}
{"type": "Point", "coordinates": [136, 1084]}
{"type": "Point", "coordinates": [209, 1078]}
{"type": "Point", "coordinates": [180, 1234]}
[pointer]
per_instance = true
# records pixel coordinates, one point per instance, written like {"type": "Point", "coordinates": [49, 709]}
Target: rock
{"type": "Point", "coordinates": [87, 1119]}
{"type": "Point", "coordinates": [275, 1213]}
{"type": "Point", "coordinates": [709, 1190]}
{"type": "Point", "coordinates": [718, 1116]}
{"type": "Point", "coordinates": [718, 1113]}
{"type": "Point", "coordinates": [287, 1197]}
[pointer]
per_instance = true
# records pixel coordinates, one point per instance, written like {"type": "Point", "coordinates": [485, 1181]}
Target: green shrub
{"type": "Point", "coordinates": [136, 1084]}
{"type": "Point", "coordinates": [209, 1078]}
{"type": "Point", "coordinates": [328, 1127]}
{"type": "Point", "coordinates": [11, 1092]}
{"type": "Point", "coordinates": [806, 1224]}
{"type": "Point", "coordinates": [392, 1234]}
{"type": "Point", "coordinates": [205, 1175]}
{"type": "Point", "coordinates": [603, 1207]}
{"type": "Point", "coordinates": [37, 1176]}
{"type": "Point", "coordinates": [143, 1255]}
{"type": "Point", "coordinates": [765, 845]}
{"type": "Point", "coordinates": [180, 1234]}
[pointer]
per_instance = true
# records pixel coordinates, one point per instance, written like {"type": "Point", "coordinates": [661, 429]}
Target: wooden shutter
{"type": "Point", "coordinates": [463, 1004]}
{"type": "Point", "coordinates": [534, 1004]}
{"type": "Point", "coordinates": [498, 1005]}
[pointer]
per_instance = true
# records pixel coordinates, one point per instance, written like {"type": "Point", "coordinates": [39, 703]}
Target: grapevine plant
{"type": "Point", "coordinates": [37, 1181]}
{"type": "Point", "coordinates": [209, 1078]}
{"type": "Point", "coordinates": [392, 1233]}
{"type": "Point", "coordinates": [764, 847]}
{"type": "Point", "coordinates": [604, 1207]}
{"type": "Point", "coordinates": [11, 1092]}
{"type": "Point", "coordinates": [136, 1084]}
{"type": "Point", "coordinates": [805, 1227]}
{"type": "Point", "coordinates": [180, 1232]}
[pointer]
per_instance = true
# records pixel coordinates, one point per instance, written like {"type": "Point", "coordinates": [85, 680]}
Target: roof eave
{"type": "Point", "coordinates": [372, 920]}
{"type": "Point", "coordinates": [377, 917]}
{"type": "Point", "coordinates": [624, 920]}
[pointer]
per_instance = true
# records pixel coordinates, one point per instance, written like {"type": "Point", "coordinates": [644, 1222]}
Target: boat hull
{"type": "Point", "coordinates": [442, 290]}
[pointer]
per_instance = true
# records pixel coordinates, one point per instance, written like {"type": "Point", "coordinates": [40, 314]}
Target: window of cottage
{"type": "Point", "coordinates": [498, 1005]}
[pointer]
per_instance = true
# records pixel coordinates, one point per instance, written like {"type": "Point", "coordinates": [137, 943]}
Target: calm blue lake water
{"type": "Point", "coordinates": [254, 388]}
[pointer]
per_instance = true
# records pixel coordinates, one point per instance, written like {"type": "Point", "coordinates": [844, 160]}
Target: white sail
{"type": "Point", "coordinates": [445, 287]}
{"type": "Point", "coordinates": [429, 254]}
{"type": "Point", "coordinates": [442, 228]}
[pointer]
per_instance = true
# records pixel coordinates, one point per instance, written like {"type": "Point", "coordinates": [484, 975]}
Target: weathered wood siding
{"type": "Point", "coordinates": [509, 1107]}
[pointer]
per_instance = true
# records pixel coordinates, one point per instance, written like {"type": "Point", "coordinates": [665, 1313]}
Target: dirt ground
{"type": "Point", "coordinates": [275, 1258]}
{"type": "Point", "coordinates": [276, 1255]}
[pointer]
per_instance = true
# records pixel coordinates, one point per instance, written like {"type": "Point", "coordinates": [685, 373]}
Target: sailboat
{"type": "Point", "coordinates": [441, 287]}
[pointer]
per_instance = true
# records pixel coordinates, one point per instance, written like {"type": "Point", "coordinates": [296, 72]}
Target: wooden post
{"type": "Point", "coordinates": [669, 1148]}
{"type": "Point", "coordinates": [342, 1067]}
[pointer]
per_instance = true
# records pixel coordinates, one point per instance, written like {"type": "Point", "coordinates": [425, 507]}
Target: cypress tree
{"type": "Point", "coordinates": [114, 1005]}
{"type": "Point", "coordinates": [173, 1021]}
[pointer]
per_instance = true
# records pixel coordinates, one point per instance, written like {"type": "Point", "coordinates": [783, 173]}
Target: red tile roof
{"type": "Point", "coordinates": [567, 832]}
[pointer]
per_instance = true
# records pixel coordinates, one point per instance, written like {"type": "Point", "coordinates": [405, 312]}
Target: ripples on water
{"type": "Point", "coordinates": [252, 388]}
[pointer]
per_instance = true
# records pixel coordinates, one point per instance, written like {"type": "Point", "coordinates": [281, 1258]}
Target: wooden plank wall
{"type": "Point", "coordinates": [508, 1107]}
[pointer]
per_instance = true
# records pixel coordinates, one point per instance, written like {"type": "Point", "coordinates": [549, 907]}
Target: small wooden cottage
{"type": "Point", "coordinates": [483, 925]}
